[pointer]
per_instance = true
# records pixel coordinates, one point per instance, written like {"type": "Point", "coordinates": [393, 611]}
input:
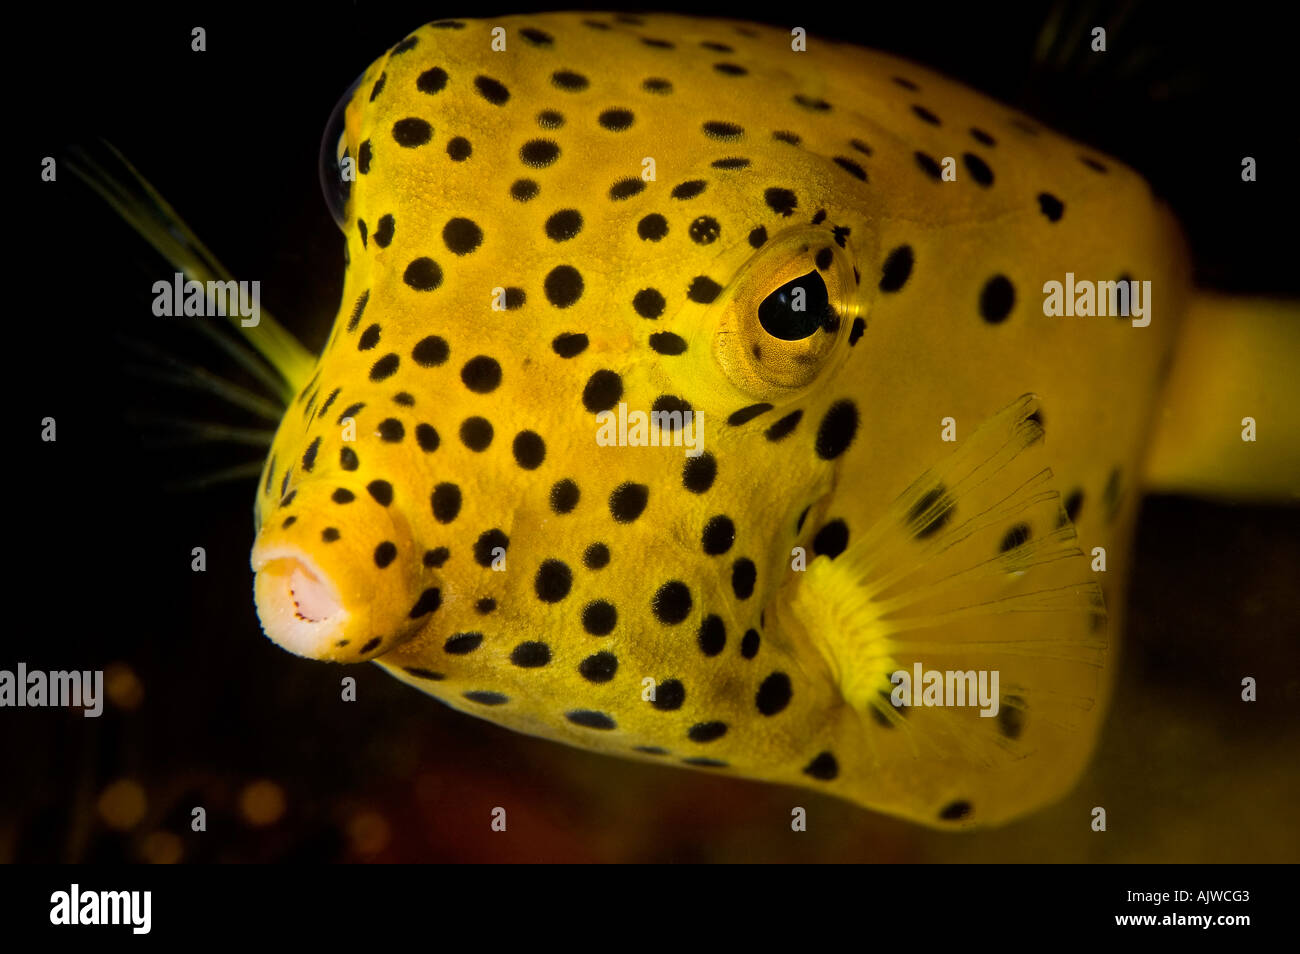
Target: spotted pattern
{"type": "Point", "coordinates": [566, 571]}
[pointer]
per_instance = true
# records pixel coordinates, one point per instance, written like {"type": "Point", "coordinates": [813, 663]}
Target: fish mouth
{"type": "Point", "coordinates": [298, 603]}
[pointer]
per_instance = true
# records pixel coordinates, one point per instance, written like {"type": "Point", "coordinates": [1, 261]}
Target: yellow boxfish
{"type": "Point", "coordinates": [698, 395]}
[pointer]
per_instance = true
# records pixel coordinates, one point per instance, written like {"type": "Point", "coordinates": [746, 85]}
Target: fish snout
{"type": "Point", "coordinates": [339, 583]}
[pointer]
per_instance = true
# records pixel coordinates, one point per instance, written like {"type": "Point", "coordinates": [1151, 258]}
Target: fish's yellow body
{"type": "Point", "coordinates": [916, 468]}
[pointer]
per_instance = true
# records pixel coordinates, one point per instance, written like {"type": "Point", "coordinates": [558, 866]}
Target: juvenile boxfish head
{"type": "Point", "coordinates": [545, 243]}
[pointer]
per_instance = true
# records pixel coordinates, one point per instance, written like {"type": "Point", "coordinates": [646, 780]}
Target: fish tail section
{"type": "Point", "coordinates": [122, 187]}
{"type": "Point", "coordinates": [1228, 423]}
{"type": "Point", "coordinates": [967, 631]}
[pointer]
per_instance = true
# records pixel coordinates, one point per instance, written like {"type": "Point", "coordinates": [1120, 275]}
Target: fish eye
{"type": "Point", "coordinates": [784, 318]}
{"type": "Point", "coordinates": [797, 309]}
{"type": "Point", "coordinates": [335, 175]}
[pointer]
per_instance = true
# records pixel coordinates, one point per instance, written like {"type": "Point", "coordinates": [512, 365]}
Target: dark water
{"type": "Point", "coordinates": [100, 550]}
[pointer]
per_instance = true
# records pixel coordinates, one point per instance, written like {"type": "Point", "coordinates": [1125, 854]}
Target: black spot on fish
{"type": "Point", "coordinates": [487, 542]}
{"type": "Point", "coordinates": [412, 132]}
{"type": "Point", "coordinates": [553, 581]}
{"type": "Point", "coordinates": [431, 81]}
{"type": "Point", "coordinates": [596, 556]}
{"type": "Point", "coordinates": [956, 811]}
{"type": "Point", "coordinates": [1011, 716]}
{"type": "Point", "coordinates": [476, 433]}
{"type": "Point", "coordinates": [569, 81]}
{"type": "Point", "coordinates": [599, 617]}
{"type": "Point", "coordinates": [781, 201]}
{"type": "Point", "coordinates": [935, 508]}
{"type": "Point", "coordinates": [599, 667]}
{"type": "Point", "coordinates": [747, 414]}
{"type": "Point", "coordinates": [530, 655]}
{"type": "Point", "coordinates": [823, 767]}
{"type": "Point", "coordinates": [809, 102]}
{"type": "Point", "coordinates": [563, 286]}
{"type": "Point", "coordinates": [564, 496]}
{"type": "Point", "coordinates": [430, 352]}
{"type": "Point", "coordinates": [926, 115]}
{"type": "Point", "coordinates": [429, 601]}
{"type": "Point", "coordinates": [978, 169]}
{"type": "Point", "coordinates": [727, 132]}
{"type": "Point", "coordinates": [698, 473]}
{"type": "Point", "coordinates": [929, 165]}
{"type": "Point", "coordinates": [1051, 206]}
{"type": "Point", "coordinates": [649, 303]}
{"type": "Point", "coordinates": [704, 230]}
{"type": "Point", "coordinates": [743, 576]}
{"type": "Point", "coordinates": [616, 120]}
{"type": "Point", "coordinates": [669, 695]}
{"type": "Point", "coordinates": [536, 37]}
{"type": "Point", "coordinates": [1017, 535]}
{"type": "Point", "coordinates": [309, 455]}
{"type": "Point", "coordinates": [424, 673]}
{"type": "Point", "coordinates": [529, 450]}
{"type": "Point", "coordinates": [1111, 495]}
{"type": "Point", "coordinates": [851, 167]}
{"type": "Point", "coordinates": [461, 644]}
{"type": "Point", "coordinates": [774, 694]}
{"type": "Point", "coordinates": [628, 501]}
{"type": "Point", "coordinates": [481, 374]}
{"type": "Point", "coordinates": [563, 225]}
{"type": "Point", "coordinates": [462, 236]}
{"type": "Point", "coordinates": [784, 427]}
{"type": "Point", "coordinates": [603, 390]}
{"type": "Point", "coordinates": [706, 731]}
{"type": "Point", "coordinates": [524, 189]}
{"type": "Point", "coordinates": [672, 602]}
{"type": "Point", "coordinates": [837, 430]}
{"type": "Point", "coordinates": [653, 227]}
{"type": "Point", "coordinates": [539, 153]}
{"type": "Point", "coordinates": [712, 635]}
{"type": "Point", "coordinates": [667, 343]}
{"type": "Point", "coordinates": [689, 190]}
{"type": "Point", "coordinates": [625, 189]}
{"type": "Point", "coordinates": [427, 437]}
{"type": "Point", "coordinates": [1074, 504]}
{"type": "Point", "coordinates": [423, 274]}
{"type": "Point", "coordinates": [590, 719]}
{"type": "Point", "coordinates": [446, 501]}
{"type": "Point", "coordinates": [570, 344]}
{"type": "Point", "coordinates": [997, 298]}
{"type": "Point", "coordinates": [703, 290]}
{"type": "Point", "coordinates": [832, 539]}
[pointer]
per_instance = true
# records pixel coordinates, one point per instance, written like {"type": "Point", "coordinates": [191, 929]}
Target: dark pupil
{"type": "Point", "coordinates": [779, 318]}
